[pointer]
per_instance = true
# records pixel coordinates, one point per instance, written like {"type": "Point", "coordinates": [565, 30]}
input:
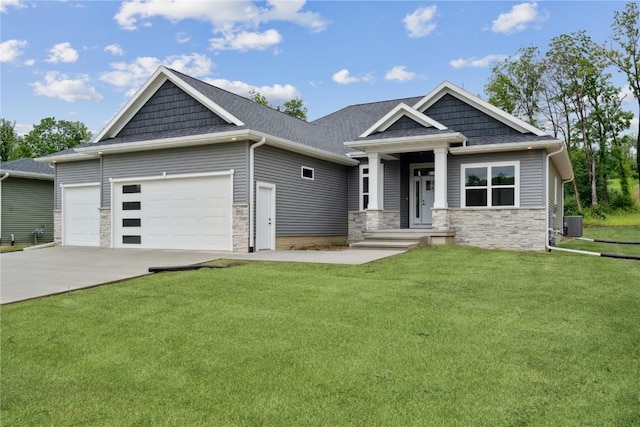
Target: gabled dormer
{"type": "Point", "coordinates": [402, 117]}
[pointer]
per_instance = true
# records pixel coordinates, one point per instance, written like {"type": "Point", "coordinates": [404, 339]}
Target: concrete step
{"type": "Point", "coordinates": [397, 235]}
{"type": "Point", "coordinates": [386, 244]}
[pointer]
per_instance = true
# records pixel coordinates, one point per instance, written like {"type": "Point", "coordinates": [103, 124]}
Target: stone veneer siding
{"type": "Point", "coordinates": [105, 227]}
{"type": "Point", "coordinates": [371, 220]}
{"type": "Point", "coordinates": [57, 227]}
{"type": "Point", "coordinates": [240, 227]}
{"type": "Point", "coordinates": [522, 229]}
{"type": "Point", "coordinates": [357, 226]}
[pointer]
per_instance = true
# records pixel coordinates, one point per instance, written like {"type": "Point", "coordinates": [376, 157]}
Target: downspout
{"type": "Point", "coordinates": [6, 175]}
{"type": "Point", "coordinates": [252, 190]}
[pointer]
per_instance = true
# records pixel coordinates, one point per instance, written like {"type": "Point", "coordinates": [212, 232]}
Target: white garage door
{"type": "Point", "coordinates": [81, 215]}
{"type": "Point", "coordinates": [174, 213]}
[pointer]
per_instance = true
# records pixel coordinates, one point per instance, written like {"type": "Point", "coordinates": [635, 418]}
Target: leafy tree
{"type": "Point", "coordinates": [9, 139]}
{"type": "Point", "coordinates": [51, 136]}
{"type": "Point", "coordinates": [626, 34]}
{"type": "Point", "coordinates": [294, 108]}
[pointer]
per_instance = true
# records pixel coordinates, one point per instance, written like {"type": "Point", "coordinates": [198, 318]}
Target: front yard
{"type": "Point", "coordinates": [437, 336]}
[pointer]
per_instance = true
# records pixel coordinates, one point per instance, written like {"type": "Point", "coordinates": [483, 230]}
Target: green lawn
{"type": "Point", "coordinates": [620, 233]}
{"type": "Point", "coordinates": [437, 336]}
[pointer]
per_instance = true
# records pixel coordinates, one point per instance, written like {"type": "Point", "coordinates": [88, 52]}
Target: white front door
{"type": "Point", "coordinates": [81, 215]}
{"type": "Point", "coordinates": [265, 216]}
{"type": "Point", "coordinates": [423, 194]}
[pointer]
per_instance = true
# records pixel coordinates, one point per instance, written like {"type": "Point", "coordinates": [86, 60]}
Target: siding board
{"type": "Point", "coordinates": [26, 204]}
{"type": "Point", "coordinates": [304, 207]}
{"type": "Point", "coordinates": [75, 173]}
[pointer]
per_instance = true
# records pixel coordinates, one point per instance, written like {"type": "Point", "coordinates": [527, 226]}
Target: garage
{"type": "Point", "coordinates": [80, 210]}
{"type": "Point", "coordinates": [191, 212]}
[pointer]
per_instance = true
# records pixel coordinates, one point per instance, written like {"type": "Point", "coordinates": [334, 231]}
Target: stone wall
{"type": "Point", "coordinates": [240, 227]}
{"type": "Point", "coordinates": [357, 225]}
{"type": "Point", "coordinates": [57, 227]}
{"type": "Point", "coordinates": [390, 220]}
{"type": "Point", "coordinates": [370, 220]}
{"type": "Point", "coordinates": [515, 229]}
{"type": "Point", "coordinates": [105, 227]}
{"type": "Point", "coordinates": [440, 219]}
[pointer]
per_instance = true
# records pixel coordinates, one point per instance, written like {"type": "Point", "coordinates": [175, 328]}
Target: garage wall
{"type": "Point", "coordinates": [201, 159]}
{"type": "Point", "coordinates": [304, 207]}
{"type": "Point", "coordinates": [75, 173]}
{"type": "Point", "coordinates": [26, 204]}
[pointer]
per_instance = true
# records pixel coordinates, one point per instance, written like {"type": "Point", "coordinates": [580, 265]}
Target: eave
{"type": "Point", "coordinates": [29, 175]}
{"type": "Point", "coordinates": [407, 144]}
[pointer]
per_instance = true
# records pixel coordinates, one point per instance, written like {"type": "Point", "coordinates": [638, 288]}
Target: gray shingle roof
{"type": "Point", "coordinates": [26, 165]}
{"type": "Point", "coordinates": [505, 139]}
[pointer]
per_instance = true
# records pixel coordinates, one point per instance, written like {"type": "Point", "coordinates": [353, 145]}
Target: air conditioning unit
{"type": "Point", "coordinates": [572, 226]}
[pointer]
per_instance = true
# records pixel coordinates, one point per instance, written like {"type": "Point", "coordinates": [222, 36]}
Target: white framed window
{"type": "Point", "coordinates": [307, 173]}
{"type": "Point", "coordinates": [364, 186]}
{"type": "Point", "coordinates": [495, 184]}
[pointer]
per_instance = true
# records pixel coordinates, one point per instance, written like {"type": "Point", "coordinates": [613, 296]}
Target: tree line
{"type": "Point", "coordinates": [568, 90]}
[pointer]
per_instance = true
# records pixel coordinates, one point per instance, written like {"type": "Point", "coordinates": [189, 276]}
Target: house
{"type": "Point", "coordinates": [187, 165]}
{"type": "Point", "coordinates": [26, 201]}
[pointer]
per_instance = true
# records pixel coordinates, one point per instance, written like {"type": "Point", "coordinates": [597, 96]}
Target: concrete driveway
{"type": "Point", "coordinates": [35, 273]}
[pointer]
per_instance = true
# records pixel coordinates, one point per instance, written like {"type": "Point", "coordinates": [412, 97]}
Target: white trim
{"type": "Point", "coordinates": [407, 144]}
{"type": "Point", "coordinates": [166, 176]}
{"type": "Point", "coordinates": [493, 111]}
{"type": "Point", "coordinates": [361, 176]}
{"type": "Point", "coordinates": [272, 187]}
{"type": "Point", "coordinates": [489, 186]}
{"type": "Point", "coordinates": [313, 173]}
{"type": "Point", "coordinates": [147, 90]}
{"type": "Point", "coordinates": [28, 175]}
{"type": "Point", "coordinates": [86, 184]}
{"type": "Point", "coordinates": [396, 113]}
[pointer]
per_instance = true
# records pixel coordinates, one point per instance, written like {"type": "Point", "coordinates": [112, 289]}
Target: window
{"type": "Point", "coordinates": [364, 186]}
{"type": "Point", "coordinates": [490, 185]}
{"type": "Point", "coordinates": [135, 240]}
{"type": "Point", "coordinates": [131, 222]}
{"type": "Point", "coordinates": [130, 206]}
{"type": "Point", "coordinates": [128, 189]}
{"type": "Point", "coordinates": [307, 173]}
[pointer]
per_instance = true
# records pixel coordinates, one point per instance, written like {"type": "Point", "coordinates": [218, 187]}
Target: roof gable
{"type": "Point", "coordinates": [148, 90]}
{"type": "Point", "coordinates": [502, 116]}
{"type": "Point", "coordinates": [398, 112]}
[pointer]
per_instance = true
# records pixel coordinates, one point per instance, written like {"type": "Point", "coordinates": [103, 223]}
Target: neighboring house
{"type": "Point", "coordinates": [187, 165]}
{"type": "Point", "coordinates": [26, 201]}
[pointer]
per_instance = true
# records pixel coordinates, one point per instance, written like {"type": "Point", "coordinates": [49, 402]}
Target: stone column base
{"type": "Point", "coordinates": [440, 219]}
{"type": "Point", "coordinates": [240, 228]}
{"type": "Point", "coordinates": [57, 227]}
{"type": "Point", "coordinates": [105, 227]}
{"type": "Point", "coordinates": [357, 226]}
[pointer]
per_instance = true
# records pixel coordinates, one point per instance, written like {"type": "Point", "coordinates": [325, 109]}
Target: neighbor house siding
{"type": "Point", "coordinates": [75, 173]}
{"type": "Point", "coordinates": [200, 159]}
{"type": "Point", "coordinates": [462, 117]}
{"type": "Point", "coordinates": [555, 198]}
{"type": "Point", "coordinates": [531, 175]}
{"type": "Point", "coordinates": [26, 204]}
{"type": "Point", "coordinates": [304, 207]}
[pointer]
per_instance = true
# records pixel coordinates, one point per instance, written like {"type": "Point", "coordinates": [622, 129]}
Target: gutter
{"type": "Point", "coordinates": [6, 175]}
{"type": "Point", "coordinates": [252, 190]}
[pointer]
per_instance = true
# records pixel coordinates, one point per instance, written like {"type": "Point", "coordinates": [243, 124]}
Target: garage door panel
{"type": "Point", "coordinates": [81, 216]}
{"type": "Point", "coordinates": [184, 213]}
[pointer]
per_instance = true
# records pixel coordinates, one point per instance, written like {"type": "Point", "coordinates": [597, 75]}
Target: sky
{"type": "Point", "coordinates": [83, 60]}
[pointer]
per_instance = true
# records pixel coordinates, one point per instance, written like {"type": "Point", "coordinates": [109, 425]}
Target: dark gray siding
{"type": "Point", "coordinates": [531, 175]}
{"type": "Point", "coordinates": [304, 207]}
{"type": "Point", "coordinates": [461, 117]}
{"type": "Point", "coordinates": [392, 185]}
{"type": "Point", "coordinates": [75, 173]}
{"type": "Point", "coordinates": [200, 159]}
{"type": "Point", "coordinates": [405, 122]}
{"type": "Point", "coordinates": [170, 109]}
{"type": "Point", "coordinates": [26, 204]}
{"type": "Point", "coordinates": [354, 188]}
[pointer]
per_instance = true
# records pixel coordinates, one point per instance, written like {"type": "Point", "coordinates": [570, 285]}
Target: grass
{"type": "Point", "coordinates": [14, 248]}
{"type": "Point", "coordinates": [620, 233]}
{"type": "Point", "coordinates": [436, 336]}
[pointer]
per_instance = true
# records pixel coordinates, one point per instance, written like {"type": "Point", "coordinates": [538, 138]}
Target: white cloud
{"type": "Point", "coordinates": [234, 23]}
{"type": "Point", "coordinates": [274, 94]}
{"type": "Point", "coordinates": [518, 18]}
{"type": "Point", "coordinates": [30, 62]}
{"type": "Point", "coordinates": [626, 95]}
{"type": "Point", "coordinates": [476, 62]}
{"type": "Point", "coordinates": [114, 49]}
{"type": "Point", "coordinates": [344, 78]}
{"type": "Point", "coordinates": [58, 85]}
{"type": "Point", "coordinates": [62, 52]}
{"type": "Point", "coordinates": [244, 41]}
{"type": "Point", "coordinates": [132, 75]}
{"type": "Point", "coordinates": [400, 73]}
{"type": "Point", "coordinates": [182, 38]}
{"type": "Point", "coordinates": [12, 49]}
{"type": "Point", "coordinates": [420, 23]}
{"type": "Point", "coordinates": [5, 4]}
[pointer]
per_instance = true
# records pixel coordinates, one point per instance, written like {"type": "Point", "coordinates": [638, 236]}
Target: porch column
{"type": "Point", "coordinates": [374, 182]}
{"type": "Point", "coordinates": [440, 196]}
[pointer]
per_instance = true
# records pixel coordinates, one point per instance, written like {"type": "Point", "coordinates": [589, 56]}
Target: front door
{"type": "Point", "coordinates": [423, 196]}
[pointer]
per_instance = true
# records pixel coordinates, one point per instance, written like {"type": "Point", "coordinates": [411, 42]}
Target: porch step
{"type": "Point", "coordinates": [405, 239]}
{"type": "Point", "coordinates": [386, 244]}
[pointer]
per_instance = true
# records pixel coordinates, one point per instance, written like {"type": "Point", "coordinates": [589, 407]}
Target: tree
{"type": "Point", "coordinates": [626, 34]}
{"type": "Point", "coordinates": [294, 107]}
{"type": "Point", "coordinates": [9, 139]}
{"type": "Point", "coordinates": [515, 84]}
{"type": "Point", "coordinates": [51, 136]}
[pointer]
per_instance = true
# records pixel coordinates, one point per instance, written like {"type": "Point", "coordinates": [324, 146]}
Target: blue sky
{"type": "Point", "coordinates": [82, 60]}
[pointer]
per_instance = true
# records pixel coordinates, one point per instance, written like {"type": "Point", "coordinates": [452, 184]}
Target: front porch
{"type": "Point", "coordinates": [410, 238]}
